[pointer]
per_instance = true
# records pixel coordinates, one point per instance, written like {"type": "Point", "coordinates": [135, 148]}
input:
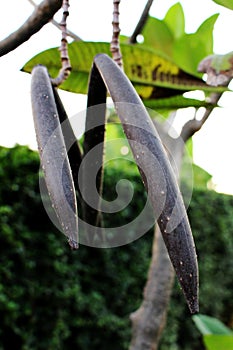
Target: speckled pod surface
{"type": "Point", "coordinates": [53, 155]}
{"type": "Point", "coordinates": [158, 177]}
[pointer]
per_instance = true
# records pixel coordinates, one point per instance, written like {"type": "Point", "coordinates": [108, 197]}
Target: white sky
{"type": "Point", "coordinates": [213, 145]}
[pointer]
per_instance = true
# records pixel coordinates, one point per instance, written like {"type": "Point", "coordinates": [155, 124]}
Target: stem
{"type": "Point", "coordinates": [115, 45]}
{"type": "Point", "coordinates": [66, 66]}
{"type": "Point", "coordinates": [141, 23]}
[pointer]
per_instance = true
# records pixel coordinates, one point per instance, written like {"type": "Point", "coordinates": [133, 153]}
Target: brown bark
{"type": "Point", "coordinates": [149, 320]}
{"type": "Point", "coordinates": [42, 14]}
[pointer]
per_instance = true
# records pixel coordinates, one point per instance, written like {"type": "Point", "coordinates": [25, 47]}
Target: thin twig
{"type": "Point", "coordinates": [115, 45]}
{"type": "Point", "coordinates": [141, 23]}
{"type": "Point", "coordinates": [66, 66]}
{"type": "Point", "coordinates": [56, 24]}
{"type": "Point", "coordinates": [68, 32]}
{"type": "Point", "coordinates": [40, 16]}
{"type": "Point", "coordinates": [194, 125]}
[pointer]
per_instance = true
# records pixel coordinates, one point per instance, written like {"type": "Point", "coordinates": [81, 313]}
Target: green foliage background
{"type": "Point", "coordinates": [53, 298]}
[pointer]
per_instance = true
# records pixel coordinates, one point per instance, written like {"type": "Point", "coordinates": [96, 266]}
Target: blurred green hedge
{"type": "Point", "coordinates": [53, 298]}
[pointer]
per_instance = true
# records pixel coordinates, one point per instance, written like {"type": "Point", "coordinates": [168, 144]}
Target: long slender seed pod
{"type": "Point", "coordinates": [157, 175]}
{"type": "Point", "coordinates": [72, 145]}
{"type": "Point", "coordinates": [53, 155]}
{"type": "Point", "coordinates": [94, 140]}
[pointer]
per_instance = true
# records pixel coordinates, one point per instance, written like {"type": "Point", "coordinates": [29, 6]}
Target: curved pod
{"type": "Point", "coordinates": [53, 155]}
{"type": "Point", "coordinates": [72, 145]}
{"type": "Point", "coordinates": [94, 138]}
{"type": "Point", "coordinates": [157, 175]}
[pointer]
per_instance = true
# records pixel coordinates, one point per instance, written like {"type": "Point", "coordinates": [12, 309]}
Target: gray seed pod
{"type": "Point", "coordinates": [157, 175]}
{"type": "Point", "coordinates": [53, 155]}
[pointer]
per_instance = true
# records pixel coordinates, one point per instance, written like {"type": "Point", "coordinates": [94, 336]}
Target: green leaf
{"type": "Point", "coordinates": [200, 177]}
{"type": "Point", "coordinates": [174, 103]}
{"type": "Point", "coordinates": [218, 342]}
{"type": "Point", "coordinates": [210, 325]}
{"type": "Point", "coordinates": [205, 33]}
{"type": "Point", "coordinates": [225, 3]}
{"type": "Point", "coordinates": [189, 147]}
{"type": "Point", "coordinates": [157, 35]}
{"type": "Point", "coordinates": [190, 49]}
{"type": "Point", "coordinates": [123, 39]}
{"type": "Point", "coordinates": [144, 67]}
{"type": "Point", "coordinates": [117, 146]}
{"type": "Point", "coordinates": [175, 20]}
{"type": "Point", "coordinates": [168, 37]}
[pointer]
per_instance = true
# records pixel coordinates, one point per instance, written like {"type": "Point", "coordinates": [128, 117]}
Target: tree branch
{"type": "Point", "coordinates": [149, 320]}
{"type": "Point", "coordinates": [40, 16]}
{"type": "Point", "coordinates": [194, 125]}
{"type": "Point", "coordinates": [141, 23]}
{"type": "Point", "coordinates": [56, 24]}
{"type": "Point", "coordinates": [214, 79]}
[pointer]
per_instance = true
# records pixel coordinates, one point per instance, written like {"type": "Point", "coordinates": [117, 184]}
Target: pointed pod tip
{"type": "Point", "coordinates": [73, 244]}
{"type": "Point", "coordinates": [193, 306]}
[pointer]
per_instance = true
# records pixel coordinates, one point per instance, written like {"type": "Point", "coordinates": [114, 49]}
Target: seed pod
{"type": "Point", "coordinates": [53, 156]}
{"type": "Point", "coordinates": [157, 175]}
{"type": "Point", "coordinates": [94, 140]}
{"type": "Point", "coordinates": [72, 146]}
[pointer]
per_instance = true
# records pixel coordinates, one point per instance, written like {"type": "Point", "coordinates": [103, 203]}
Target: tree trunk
{"type": "Point", "coordinates": [149, 320]}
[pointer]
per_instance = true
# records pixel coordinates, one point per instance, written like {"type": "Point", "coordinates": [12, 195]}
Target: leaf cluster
{"type": "Point", "coordinates": [161, 68]}
{"type": "Point", "coordinates": [168, 37]}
